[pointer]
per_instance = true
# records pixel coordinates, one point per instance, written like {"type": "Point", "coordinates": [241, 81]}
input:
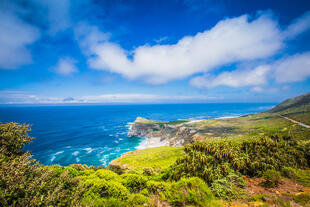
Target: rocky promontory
{"type": "Point", "coordinates": [173, 133]}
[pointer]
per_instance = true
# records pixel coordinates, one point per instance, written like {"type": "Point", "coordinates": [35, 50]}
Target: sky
{"type": "Point", "coordinates": [153, 51]}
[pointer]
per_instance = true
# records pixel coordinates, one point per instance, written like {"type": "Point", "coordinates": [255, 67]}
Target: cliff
{"type": "Point", "coordinates": [176, 133]}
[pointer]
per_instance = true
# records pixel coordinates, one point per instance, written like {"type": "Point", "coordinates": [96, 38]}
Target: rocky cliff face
{"type": "Point", "coordinates": [177, 134]}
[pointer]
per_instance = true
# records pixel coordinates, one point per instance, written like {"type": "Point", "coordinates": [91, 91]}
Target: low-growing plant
{"type": "Point", "coordinates": [302, 199]}
{"type": "Point", "coordinates": [272, 178]}
{"type": "Point", "coordinates": [116, 168]}
{"type": "Point", "coordinates": [299, 175]}
{"type": "Point", "coordinates": [134, 182]}
{"type": "Point", "coordinates": [229, 187]}
{"type": "Point", "coordinates": [149, 171]}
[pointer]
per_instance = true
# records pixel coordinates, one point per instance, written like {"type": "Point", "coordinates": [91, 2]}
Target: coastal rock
{"type": "Point", "coordinates": [176, 134]}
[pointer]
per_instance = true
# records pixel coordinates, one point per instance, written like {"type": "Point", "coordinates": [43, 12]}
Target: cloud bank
{"type": "Point", "coordinates": [22, 97]}
{"type": "Point", "coordinates": [285, 70]}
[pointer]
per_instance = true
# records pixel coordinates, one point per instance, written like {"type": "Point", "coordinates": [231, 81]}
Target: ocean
{"type": "Point", "coordinates": [97, 134]}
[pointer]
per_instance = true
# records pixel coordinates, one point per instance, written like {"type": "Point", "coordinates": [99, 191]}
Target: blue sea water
{"type": "Point", "coordinates": [97, 134]}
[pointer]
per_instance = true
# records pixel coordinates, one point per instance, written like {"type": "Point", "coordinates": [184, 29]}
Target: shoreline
{"type": "Point", "coordinates": [152, 142]}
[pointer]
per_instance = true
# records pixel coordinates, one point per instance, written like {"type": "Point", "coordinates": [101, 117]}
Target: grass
{"type": "Point", "coordinates": [250, 126]}
{"type": "Point", "coordinates": [301, 176]}
{"type": "Point", "coordinates": [301, 114]}
{"type": "Point", "coordinates": [158, 158]}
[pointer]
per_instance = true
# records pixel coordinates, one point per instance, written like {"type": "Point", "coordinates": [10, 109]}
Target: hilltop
{"type": "Point", "coordinates": [292, 104]}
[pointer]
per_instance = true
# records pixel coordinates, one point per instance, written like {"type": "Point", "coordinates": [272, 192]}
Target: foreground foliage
{"type": "Point", "coordinates": [23, 182]}
{"type": "Point", "coordinates": [222, 163]}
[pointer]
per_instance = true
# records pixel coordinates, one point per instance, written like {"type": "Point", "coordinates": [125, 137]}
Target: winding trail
{"type": "Point", "coordinates": [296, 122]}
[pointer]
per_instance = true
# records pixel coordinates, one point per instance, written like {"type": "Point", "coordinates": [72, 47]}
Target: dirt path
{"type": "Point", "coordinates": [296, 122]}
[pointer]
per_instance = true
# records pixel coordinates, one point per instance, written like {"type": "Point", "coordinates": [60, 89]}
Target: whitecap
{"type": "Point", "coordinates": [88, 149]}
{"type": "Point", "coordinates": [75, 153]}
{"type": "Point", "coordinates": [54, 155]}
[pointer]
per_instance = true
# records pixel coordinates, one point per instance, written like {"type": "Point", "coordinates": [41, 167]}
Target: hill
{"type": "Point", "coordinates": [297, 108]}
{"type": "Point", "coordinates": [292, 103]}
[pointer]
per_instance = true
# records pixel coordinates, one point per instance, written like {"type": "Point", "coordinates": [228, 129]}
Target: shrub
{"type": "Point", "coordinates": [272, 178]}
{"type": "Point", "coordinates": [148, 171]}
{"type": "Point", "coordinates": [137, 200]}
{"type": "Point", "coordinates": [288, 172]}
{"type": "Point", "coordinates": [229, 187]}
{"type": "Point", "coordinates": [13, 137]}
{"type": "Point", "coordinates": [115, 168]}
{"type": "Point", "coordinates": [214, 160]}
{"type": "Point", "coordinates": [103, 188]}
{"type": "Point", "coordinates": [189, 191]}
{"type": "Point", "coordinates": [157, 186]}
{"type": "Point", "coordinates": [106, 174]}
{"type": "Point", "coordinates": [134, 182]}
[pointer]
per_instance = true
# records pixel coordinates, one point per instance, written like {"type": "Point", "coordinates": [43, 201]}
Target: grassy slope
{"type": "Point", "coordinates": [297, 108]}
{"type": "Point", "coordinates": [159, 158]}
{"type": "Point", "coordinates": [250, 126]}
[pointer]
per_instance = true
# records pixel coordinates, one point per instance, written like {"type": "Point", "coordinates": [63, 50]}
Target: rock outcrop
{"type": "Point", "coordinates": [177, 134]}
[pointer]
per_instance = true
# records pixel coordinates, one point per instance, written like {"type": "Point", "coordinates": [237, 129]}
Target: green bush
{"type": "Point", "coordinates": [229, 187]}
{"type": "Point", "coordinates": [107, 174]}
{"type": "Point", "coordinates": [272, 178]}
{"type": "Point", "coordinates": [189, 191]}
{"type": "Point", "coordinates": [134, 182]}
{"type": "Point", "coordinates": [104, 188]}
{"type": "Point", "coordinates": [115, 168]}
{"type": "Point", "coordinates": [137, 200]}
{"type": "Point", "coordinates": [149, 171]}
{"type": "Point", "coordinates": [214, 160]}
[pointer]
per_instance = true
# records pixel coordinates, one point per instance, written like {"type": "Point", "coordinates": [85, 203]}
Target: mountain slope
{"type": "Point", "coordinates": [297, 108]}
{"type": "Point", "coordinates": [289, 104]}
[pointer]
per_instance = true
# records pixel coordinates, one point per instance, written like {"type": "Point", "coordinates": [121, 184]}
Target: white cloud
{"type": "Point", "coordinates": [293, 68]}
{"type": "Point", "coordinates": [21, 97]}
{"type": "Point", "coordinates": [285, 70]}
{"type": "Point", "coordinates": [258, 89]}
{"type": "Point", "coordinates": [237, 78]}
{"type": "Point", "coordinates": [231, 40]}
{"type": "Point", "coordinates": [65, 66]}
{"type": "Point", "coordinates": [298, 26]}
{"type": "Point", "coordinates": [15, 37]}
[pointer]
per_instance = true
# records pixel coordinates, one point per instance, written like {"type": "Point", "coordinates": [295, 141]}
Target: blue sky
{"type": "Point", "coordinates": [177, 51]}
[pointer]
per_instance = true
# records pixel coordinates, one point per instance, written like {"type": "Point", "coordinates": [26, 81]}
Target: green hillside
{"type": "Point", "coordinates": [297, 108]}
{"type": "Point", "coordinates": [292, 103]}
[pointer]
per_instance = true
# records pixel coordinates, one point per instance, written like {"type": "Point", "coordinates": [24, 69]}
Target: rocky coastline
{"type": "Point", "coordinates": [160, 133]}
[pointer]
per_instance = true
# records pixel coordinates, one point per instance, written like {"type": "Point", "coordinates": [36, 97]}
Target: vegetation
{"type": "Point", "coordinates": [155, 158]}
{"type": "Point", "coordinates": [23, 182]}
{"type": "Point", "coordinates": [301, 176]}
{"type": "Point", "coordinates": [222, 163]}
{"type": "Point", "coordinates": [272, 178]}
{"type": "Point", "coordinates": [250, 127]}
